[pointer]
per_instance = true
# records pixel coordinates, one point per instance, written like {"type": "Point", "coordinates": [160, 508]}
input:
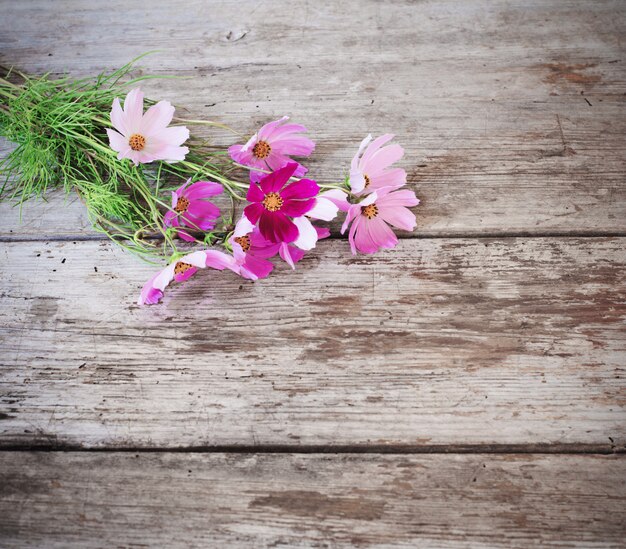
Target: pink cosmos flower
{"type": "Point", "coordinates": [145, 137]}
{"type": "Point", "coordinates": [250, 250]}
{"type": "Point", "coordinates": [275, 202]}
{"type": "Point", "coordinates": [181, 270]}
{"type": "Point", "coordinates": [369, 172]}
{"type": "Point", "coordinates": [369, 231]}
{"type": "Point", "coordinates": [270, 147]}
{"type": "Point", "coordinates": [191, 209]}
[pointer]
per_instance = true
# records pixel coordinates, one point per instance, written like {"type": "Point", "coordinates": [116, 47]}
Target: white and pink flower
{"type": "Point", "coordinates": [369, 169]}
{"type": "Point", "coordinates": [183, 269]}
{"type": "Point", "coordinates": [144, 138]}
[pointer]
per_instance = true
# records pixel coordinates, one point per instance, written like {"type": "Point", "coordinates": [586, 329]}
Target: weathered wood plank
{"type": "Point", "coordinates": [219, 500]}
{"type": "Point", "coordinates": [511, 113]}
{"type": "Point", "coordinates": [441, 341]}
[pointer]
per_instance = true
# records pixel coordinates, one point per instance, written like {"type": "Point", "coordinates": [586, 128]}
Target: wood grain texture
{"type": "Point", "coordinates": [214, 500]}
{"type": "Point", "coordinates": [441, 341]}
{"type": "Point", "coordinates": [511, 114]}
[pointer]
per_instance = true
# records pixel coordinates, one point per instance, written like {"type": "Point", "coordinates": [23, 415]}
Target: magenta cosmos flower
{"type": "Point", "coordinates": [369, 172]}
{"type": "Point", "coordinates": [181, 270]}
{"type": "Point", "coordinates": [275, 202]}
{"type": "Point", "coordinates": [145, 137]}
{"type": "Point", "coordinates": [369, 231]}
{"type": "Point", "coordinates": [250, 250]}
{"type": "Point", "coordinates": [191, 209]}
{"type": "Point", "coordinates": [270, 148]}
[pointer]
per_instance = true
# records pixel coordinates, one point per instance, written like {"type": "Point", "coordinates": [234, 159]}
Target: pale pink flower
{"type": "Point", "coordinates": [369, 231]}
{"type": "Point", "coordinates": [191, 209]}
{"type": "Point", "coordinates": [145, 137]}
{"type": "Point", "coordinates": [271, 147]}
{"type": "Point", "coordinates": [368, 171]}
{"type": "Point", "coordinates": [181, 270]}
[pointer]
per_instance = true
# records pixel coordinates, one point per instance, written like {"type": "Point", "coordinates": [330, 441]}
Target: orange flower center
{"type": "Point", "coordinates": [370, 211]}
{"type": "Point", "coordinates": [244, 242]}
{"type": "Point", "coordinates": [182, 205]}
{"type": "Point", "coordinates": [137, 142]}
{"type": "Point", "coordinates": [181, 267]}
{"type": "Point", "coordinates": [262, 150]}
{"type": "Point", "coordinates": [367, 180]}
{"type": "Point", "coordinates": [273, 202]}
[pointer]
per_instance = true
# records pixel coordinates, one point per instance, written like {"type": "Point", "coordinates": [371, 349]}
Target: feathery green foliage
{"type": "Point", "coordinates": [58, 126]}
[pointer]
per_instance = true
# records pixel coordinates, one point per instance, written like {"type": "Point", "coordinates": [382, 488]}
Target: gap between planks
{"type": "Point", "coordinates": [441, 236]}
{"type": "Point", "coordinates": [390, 449]}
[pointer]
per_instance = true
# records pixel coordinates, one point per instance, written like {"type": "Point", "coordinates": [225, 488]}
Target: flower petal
{"type": "Point", "coordinates": [254, 211]}
{"type": "Point", "coordinates": [203, 189]}
{"type": "Point", "coordinates": [277, 227]}
{"type": "Point", "coordinates": [380, 233]}
{"type": "Point", "coordinates": [118, 119]}
{"type": "Point", "coordinates": [275, 181]}
{"type": "Point", "coordinates": [395, 178]}
{"type": "Point", "coordinates": [405, 197]}
{"type": "Point", "coordinates": [243, 227]}
{"type": "Point", "coordinates": [305, 188]}
{"type": "Point", "coordinates": [156, 118]}
{"type": "Point", "coordinates": [255, 267]}
{"type": "Point", "coordinates": [280, 131]}
{"type": "Point", "coordinates": [266, 130]}
{"type": "Point", "coordinates": [384, 158]}
{"type": "Point", "coordinates": [149, 294]}
{"type": "Point", "coordinates": [118, 142]}
{"type": "Point", "coordinates": [255, 194]}
{"type": "Point", "coordinates": [133, 110]}
{"type": "Point", "coordinates": [173, 136]}
{"type": "Point", "coordinates": [295, 145]}
{"type": "Point", "coordinates": [372, 148]}
{"type": "Point", "coordinates": [219, 260]}
{"type": "Point", "coordinates": [185, 275]}
{"type": "Point", "coordinates": [307, 235]}
{"type": "Point", "coordinates": [297, 208]}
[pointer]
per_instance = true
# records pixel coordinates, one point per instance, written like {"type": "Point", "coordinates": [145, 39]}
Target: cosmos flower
{"type": "Point", "coordinates": [191, 209]}
{"type": "Point", "coordinates": [146, 137]}
{"type": "Point", "coordinates": [369, 231]}
{"type": "Point", "coordinates": [275, 202]}
{"type": "Point", "coordinates": [368, 171]}
{"type": "Point", "coordinates": [181, 270]}
{"type": "Point", "coordinates": [271, 147]}
{"type": "Point", "coordinates": [250, 250]}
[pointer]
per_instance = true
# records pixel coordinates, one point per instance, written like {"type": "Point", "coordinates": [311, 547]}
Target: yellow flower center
{"type": "Point", "coordinates": [137, 142]}
{"type": "Point", "coordinates": [244, 242]}
{"type": "Point", "coordinates": [367, 180]}
{"type": "Point", "coordinates": [273, 202]}
{"type": "Point", "coordinates": [182, 205]}
{"type": "Point", "coordinates": [182, 267]}
{"type": "Point", "coordinates": [262, 150]}
{"type": "Point", "coordinates": [370, 211]}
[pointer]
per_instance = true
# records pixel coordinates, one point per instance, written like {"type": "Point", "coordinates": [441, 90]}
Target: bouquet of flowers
{"type": "Point", "coordinates": [148, 185]}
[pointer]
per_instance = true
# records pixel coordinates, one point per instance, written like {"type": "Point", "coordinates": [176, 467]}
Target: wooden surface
{"type": "Point", "coordinates": [463, 390]}
{"type": "Point", "coordinates": [438, 342]}
{"type": "Point", "coordinates": [291, 500]}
